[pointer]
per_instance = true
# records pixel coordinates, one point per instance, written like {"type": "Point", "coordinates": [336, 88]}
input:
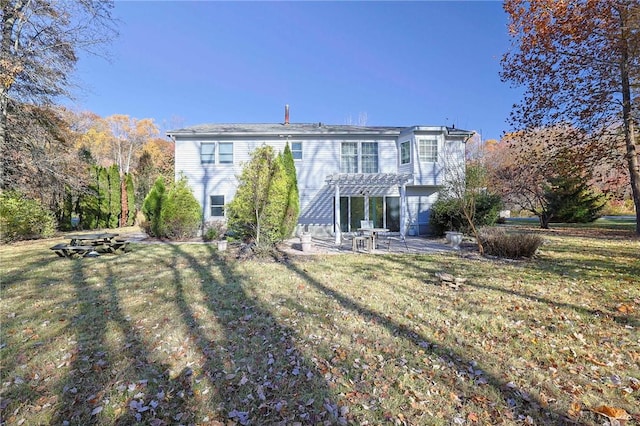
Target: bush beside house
{"type": "Point", "coordinates": [263, 210]}
{"type": "Point", "coordinates": [447, 213]}
{"type": "Point", "coordinates": [173, 214]}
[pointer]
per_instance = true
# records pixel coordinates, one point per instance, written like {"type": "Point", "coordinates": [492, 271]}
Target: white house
{"type": "Point", "coordinates": [389, 175]}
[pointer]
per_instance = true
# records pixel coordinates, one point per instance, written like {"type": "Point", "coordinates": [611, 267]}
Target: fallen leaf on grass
{"type": "Point", "coordinates": [625, 309]}
{"type": "Point", "coordinates": [612, 412]}
{"type": "Point", "coordinates": [574, 410]}
{"type": "Point", "coordinates": [595, 361]}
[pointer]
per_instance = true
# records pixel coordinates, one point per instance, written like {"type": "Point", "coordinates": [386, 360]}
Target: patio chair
{"type": "Point", "coordinates": [365, 224]}
{"type": "Point", "coordinates": [388, 237]}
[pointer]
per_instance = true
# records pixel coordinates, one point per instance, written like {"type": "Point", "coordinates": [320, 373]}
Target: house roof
{"type": "Point", "coordinates": [281, 129]}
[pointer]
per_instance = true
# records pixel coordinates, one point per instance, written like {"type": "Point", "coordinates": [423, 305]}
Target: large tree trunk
{"type": "Point", "coordinates": [634, 169]}
{"type": "Point", "coordinates": [6, 79]}
{"type": "Point", "coordinates": [628, 125]}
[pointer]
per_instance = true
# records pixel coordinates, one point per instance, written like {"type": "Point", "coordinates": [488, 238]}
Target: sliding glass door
{"type": "Point", "coordinates": [384, 212]}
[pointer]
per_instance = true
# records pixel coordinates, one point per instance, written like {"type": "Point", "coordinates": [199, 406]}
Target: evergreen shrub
{"type": "Point", "coordinates": [265, 208]}
{"type": "Point", "coordinates": [447, 214]}
{"type": "Point", "coordinates": [173, 214]}
{"type": "Point", "coordinates": [181, 215]}
{"type": "Point", "coordinates": [152, 208]}
{"type": "Point", "coordinates": [571, 200]}
{"type": "Point", "coordinates": [22, 218]}
{"type": "Point", "coordinates": [214, 230]}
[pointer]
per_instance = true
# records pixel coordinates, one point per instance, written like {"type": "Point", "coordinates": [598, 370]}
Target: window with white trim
{"type": "Point", "coordinates": [359, 157]}
{"type": "Point", "coordinates": [369, 157]}
{"type": "Point", "coordinates": [296, 150]}
{"type": "Point", "coordinates": [428, 150]}
{"type": "Point", "coordinates": [207, 153]}
{"type": "Point", "coordinates": [405, 152]}
{"type": "Point", "coordinates": [217, 205]}
{"type": "Point", "coordinates": [222, 150]}
{"type": "Point", "coordinates": [225, 151]}
{"type": "Point", "coordinates": [349, 157]}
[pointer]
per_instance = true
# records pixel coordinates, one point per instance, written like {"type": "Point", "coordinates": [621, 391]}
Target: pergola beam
{"type": "Point", "coordinates": [369, 180]}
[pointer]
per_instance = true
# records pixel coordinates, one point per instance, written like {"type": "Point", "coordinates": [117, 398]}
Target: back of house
{"type": "Point", "coordinates": [346, 174]}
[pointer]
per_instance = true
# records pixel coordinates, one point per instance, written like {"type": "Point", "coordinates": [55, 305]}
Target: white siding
{"type": "Point", "coordinates": [320, 158]}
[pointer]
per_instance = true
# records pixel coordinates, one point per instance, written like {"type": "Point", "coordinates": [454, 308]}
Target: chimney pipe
{"type": "Point", "coordinates": [286, 114]}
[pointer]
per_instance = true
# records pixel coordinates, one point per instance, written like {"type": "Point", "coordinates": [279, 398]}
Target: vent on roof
{"type": "Point", "coordinates": [286, 115]}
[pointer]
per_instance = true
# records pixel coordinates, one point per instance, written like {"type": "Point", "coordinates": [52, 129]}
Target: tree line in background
{"type": "Point", "coordinates": [575, 137]}
{"type": "Point", "coordinates": [94, 174]}
{"type": "Point", "coordinates": [579, 64]}
{"type": "Point", "coordinates": [574, 153]}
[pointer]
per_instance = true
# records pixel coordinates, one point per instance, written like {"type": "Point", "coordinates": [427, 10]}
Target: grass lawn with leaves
{"type": "Point", "coordinates": [183, 334]}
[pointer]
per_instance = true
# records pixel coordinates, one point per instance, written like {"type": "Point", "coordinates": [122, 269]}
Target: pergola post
{"type": "Point", "coordinates": [352, 184]}
{"type": "Point", "coordinates": [367, 214]}
{"type": "Point", "coordinates": [403, 210]}
{"type": "Point", "coordinates": [336, 215]}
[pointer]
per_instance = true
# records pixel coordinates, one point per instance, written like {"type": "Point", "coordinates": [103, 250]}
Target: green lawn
{"type": "Point", "coordinates": [179, 334]}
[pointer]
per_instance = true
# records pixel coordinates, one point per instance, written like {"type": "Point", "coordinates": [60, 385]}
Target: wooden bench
{"type": "Point", "coordinates": [66, 250]}
{"type": "Point", "coordinates": [118, 246]}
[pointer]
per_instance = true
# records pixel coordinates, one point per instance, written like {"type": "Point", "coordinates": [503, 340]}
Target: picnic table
{"type": "Point", "coordinates": [90, 245]}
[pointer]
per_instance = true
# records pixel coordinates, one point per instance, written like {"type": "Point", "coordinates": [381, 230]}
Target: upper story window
{"type": "Point", "coordinates": [349, 157]}
{"type": "Point", "coordinates": [226, 152]}
{"type": "Point", "coordinates": [207, 153]}
{"type": "Point", "coordinates": [296, 150]}
{"type": "Point", "coordinates": [369, 157]}
{"type": "Point", "coordinates": [428, 150]}
{"type": "Point", "coordinates": [405, 152]}
{"type": "Point", "coordinates": [359, 157]}
{"type": "Point", "coordinates": [210, 150]}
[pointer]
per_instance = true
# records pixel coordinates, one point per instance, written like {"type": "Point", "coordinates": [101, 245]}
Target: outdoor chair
{"type": "Point", "coordinates": [366, 224]}
{"type": "Point", "coordinates": [386, 238]}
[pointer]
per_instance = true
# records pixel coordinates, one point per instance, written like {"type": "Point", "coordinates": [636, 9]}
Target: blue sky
{"type": "Point", "coordinates": [398, 63]}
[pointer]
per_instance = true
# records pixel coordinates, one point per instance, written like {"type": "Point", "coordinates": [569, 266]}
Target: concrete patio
{"type": "Point", "coordinates": [396, 245]}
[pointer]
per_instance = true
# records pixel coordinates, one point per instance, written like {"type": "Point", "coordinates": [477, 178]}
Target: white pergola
{"type": "Point", "coordinates": [367, 181]}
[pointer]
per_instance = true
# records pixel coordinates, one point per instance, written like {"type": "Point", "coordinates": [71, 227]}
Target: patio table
{"type": "Point", "coordinates": [374, 234]}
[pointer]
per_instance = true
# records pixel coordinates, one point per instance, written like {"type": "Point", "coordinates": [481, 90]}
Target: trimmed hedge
{"type": "Point", "coordinates": [181, 215]}
{"type": "Point", "coordinates": [497, 242]}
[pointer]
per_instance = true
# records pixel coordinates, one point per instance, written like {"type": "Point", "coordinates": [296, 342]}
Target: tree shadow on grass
{"type": "Point", "coordinates": [427, 273]}
{"type": "Point", "coordinates": [520, 402]}
{"type": "Point", "coordinates": [258, 374]}
{"type": "Point", "coordinates": [97, 371]}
